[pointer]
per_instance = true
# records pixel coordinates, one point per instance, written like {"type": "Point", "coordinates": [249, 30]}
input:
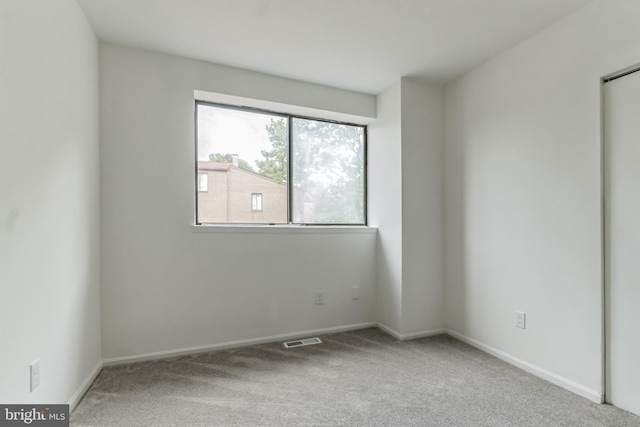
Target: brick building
{"type": "Point", "coordinates": [229, 194]}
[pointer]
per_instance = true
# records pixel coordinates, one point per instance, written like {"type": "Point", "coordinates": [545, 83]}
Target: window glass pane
{"type": "Point", "coordinates": [328, 173]}
{"type": "Point", "coordinates": [243, 152]}
{"type": "Point", "coordinates": [256, 201]}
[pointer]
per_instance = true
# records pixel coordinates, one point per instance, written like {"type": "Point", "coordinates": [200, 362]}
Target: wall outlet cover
{"type": "Point", "coordinates": [34, 372]}
{"type": "Point", "coordinates": [520, 319]}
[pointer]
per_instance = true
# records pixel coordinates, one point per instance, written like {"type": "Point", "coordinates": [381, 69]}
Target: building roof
{"type": "Point", "coordinates": [213, 166]}
{"type": "Point", "coordinates": [226, 167]}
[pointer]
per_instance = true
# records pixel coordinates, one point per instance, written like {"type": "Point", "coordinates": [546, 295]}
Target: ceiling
{"type": "Point", "coordinates": [360, 45]}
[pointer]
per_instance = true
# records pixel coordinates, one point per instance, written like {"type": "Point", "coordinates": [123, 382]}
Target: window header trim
{"type": "Point", "coordinates": [281, 108]}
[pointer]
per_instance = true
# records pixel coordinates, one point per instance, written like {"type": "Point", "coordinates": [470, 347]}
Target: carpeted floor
{"type": "Point", "coordinates": [359, 378]}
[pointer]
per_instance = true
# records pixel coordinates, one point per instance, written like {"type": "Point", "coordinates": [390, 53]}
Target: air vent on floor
{"type": "Point", "coordinates": [300, 343]}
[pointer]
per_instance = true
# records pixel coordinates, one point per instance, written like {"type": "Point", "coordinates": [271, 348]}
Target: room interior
{"type": "Point", "coordinates": [484, 181]}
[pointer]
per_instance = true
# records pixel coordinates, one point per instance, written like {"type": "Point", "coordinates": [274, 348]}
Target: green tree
{"type": "Point", "coordinates": [274, 164]}
{"type": "Point", "coordinates": [328, 169]}
{"type": "Point", "coordinates": [228, 158]}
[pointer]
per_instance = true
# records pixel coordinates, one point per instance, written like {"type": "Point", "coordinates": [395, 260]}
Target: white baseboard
{"type": "Point", "coordinates": [231, 344]}
{"type": "Point", "coordinates": [410, 336]}
{"type": "Point", "coordinates": [579, 389]}
{"type": "Point", "coordinates": [79, 394]}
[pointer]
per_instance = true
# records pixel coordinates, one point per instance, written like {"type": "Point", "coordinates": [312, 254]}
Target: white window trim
{"type": "Point", "coordinates": [283, 229]}
{"type": "Point", "coordinates": [296, 110]}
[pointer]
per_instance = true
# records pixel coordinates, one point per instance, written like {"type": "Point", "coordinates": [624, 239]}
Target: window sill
{"type": "Point", "coordinates": [284, 229]}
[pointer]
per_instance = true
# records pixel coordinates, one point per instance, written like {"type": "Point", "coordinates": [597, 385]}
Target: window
{"type": "Point", "coordinates": [256, 202]}
{"type": "Point", "coordinates": [203, 182]}
{"type": "Point", "coordinates": [296, 170]}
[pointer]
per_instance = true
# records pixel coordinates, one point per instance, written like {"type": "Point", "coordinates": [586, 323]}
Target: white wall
{"type": "Point", "coordinates": [385, 204]}
{"type": "Point", "coordinates": [49, 213]}
{"type": "Point", "coordinates": [166, 287]}
{"type": "Point", "coordinates": [406, 204]}
{"type": "Point", "coordinates": [523, 225]}
{"type": "Point", "coordinates": [422, 206]}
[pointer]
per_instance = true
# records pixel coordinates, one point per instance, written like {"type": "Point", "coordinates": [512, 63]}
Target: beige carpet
{"type": "Point", "coordinates": [359, 378]}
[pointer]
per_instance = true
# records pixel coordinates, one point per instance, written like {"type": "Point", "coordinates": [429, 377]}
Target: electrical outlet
{"type": "Point", "coordinates": [355, 292]}
{"type": "Point", "coordinates": [319, 297]}
{"type": "Point", "coordinates": [520, 319]}
{"type": "Point", "coordinates": [34, 370]}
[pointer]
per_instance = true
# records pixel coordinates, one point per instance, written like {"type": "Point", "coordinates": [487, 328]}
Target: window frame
{"type": "Point", "coordinates": [206, 182]}
{"type": "Point", "coordinates": [289, 118]}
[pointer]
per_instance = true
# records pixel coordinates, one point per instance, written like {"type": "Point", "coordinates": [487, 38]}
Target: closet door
{"type": "Point", "coordinates": [622, 240]}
